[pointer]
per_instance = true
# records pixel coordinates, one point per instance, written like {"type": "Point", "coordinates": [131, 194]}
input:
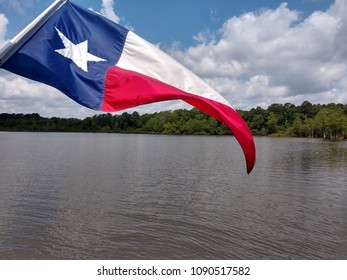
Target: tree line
{"type": "Point", "coordinates": [328, 121]}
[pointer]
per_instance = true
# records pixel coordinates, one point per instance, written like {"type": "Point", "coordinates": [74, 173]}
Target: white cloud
{"type": "Point", "coordinates": [214, 15]}
{"type": "Point", "coordinates": [3, 28]}
{"type": "Point", "coordinates": [108, 11]}
{"type": "Point", "coordinates": [275, 56]}
{"type": "Point", "coordinates": [20, 95]}
{"type": "Point", "coordinates": [256, 59]}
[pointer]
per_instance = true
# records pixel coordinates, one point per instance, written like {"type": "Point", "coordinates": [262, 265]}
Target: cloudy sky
{"type": "Point", "coordinates": [255, 53]}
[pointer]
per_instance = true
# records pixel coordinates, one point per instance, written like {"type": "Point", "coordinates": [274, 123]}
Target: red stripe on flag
{"type": "Point", "coordinates": [125, 89]}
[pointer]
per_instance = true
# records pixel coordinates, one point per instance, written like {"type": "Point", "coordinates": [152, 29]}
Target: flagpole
{"type": "Point", "coordinates": [18, 41]}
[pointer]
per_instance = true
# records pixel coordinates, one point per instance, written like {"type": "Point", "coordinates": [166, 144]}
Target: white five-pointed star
{"type": "Point", "coordinates": [77, 53]}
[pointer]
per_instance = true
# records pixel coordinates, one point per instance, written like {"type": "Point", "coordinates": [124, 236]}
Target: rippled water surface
{"type": "Point", "coordinates": [109, 196]}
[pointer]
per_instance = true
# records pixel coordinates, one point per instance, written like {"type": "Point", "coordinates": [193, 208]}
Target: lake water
{"type": "Point", "coordinates": [113, 196]}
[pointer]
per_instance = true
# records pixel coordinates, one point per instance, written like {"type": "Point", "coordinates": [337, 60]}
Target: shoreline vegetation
{"type": "Point", "coordinates": [327, 121]}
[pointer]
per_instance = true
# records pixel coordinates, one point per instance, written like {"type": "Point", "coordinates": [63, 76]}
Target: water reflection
{"type": "Point", "coordinates": [105, 196]}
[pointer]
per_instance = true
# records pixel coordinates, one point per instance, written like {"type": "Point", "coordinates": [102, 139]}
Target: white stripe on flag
{"type": "Point", "coordinates": [141, 56]}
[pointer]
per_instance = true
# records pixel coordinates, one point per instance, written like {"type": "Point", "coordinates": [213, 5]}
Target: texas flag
{"type": "Point", "coordinates": [105, 67]}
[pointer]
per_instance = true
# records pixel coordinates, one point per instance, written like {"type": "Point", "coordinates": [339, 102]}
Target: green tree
{"type": "Point", "coordinates": [272, 123]}
{"type": "Point", "coordinates": [330, 123]}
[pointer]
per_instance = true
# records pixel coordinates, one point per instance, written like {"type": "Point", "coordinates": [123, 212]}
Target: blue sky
{"type": "Point", "coordinates": [254, 53]}
{"type": "Point", "coordinates": [169, 21]}
{"type": "Point", "coordinates": [163, 22]}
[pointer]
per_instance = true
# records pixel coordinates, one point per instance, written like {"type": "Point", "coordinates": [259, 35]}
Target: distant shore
{"type": "Point", "coordinates": [307, 120]}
